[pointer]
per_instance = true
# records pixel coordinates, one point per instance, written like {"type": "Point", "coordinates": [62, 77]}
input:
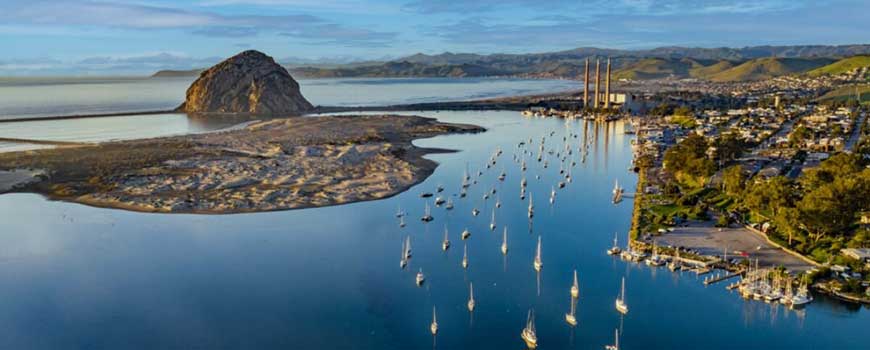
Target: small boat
{"type": "Point", "coordinates": [561, 184]}
{"type": "Point", "coordinates": [531, 206]}
{"type": "Point", "coordinates": [470, 297]}
{"type": "Point", "coordinates": [400, 213]}
{"type": "Point", "coordinates": [449, 205]}
{"type": "Point", "coordinates": [538, 263]}
{"type": "Point", "coordinates": [802, 296]}
{"type": "Point", "coordinates": [615, 345]}
{"type": "Point", "coordinates": [675, 264]}
{"type": "Point", "coordinates": [474, 212]}
{"type": "Point", "coordinates": [439, 200]}
{"type": "Point", "coordinates": [445, 244]}
{"type": "Point", "coordinates": [407, 247]}
{"type": "Point", "coordinates": [405, 254]}
{"type": "Point", "coordinates": [427, 215]}
{"type": "Point", "coordinates": [575, 288]}
{"type": "Point", "coordinates": [420, 277]}
{"type": "Point", "coordinates": [504, 246]}
{"type": "Point", "coordinates": [617, 192]}
{"type": "Point", "coordinates": [655, 259]}
{"type": "Point", "coordinates": [570, 316]}
{"type": "Point", "coordinates": [552, 195]}
{"type": "Point", "coordinates": [434, 326]}
{"type": "Point", "coordinates": [466, 234]}
{"type": "Point", "coordinates": [402, 221]}
{"type": "Point", "coordinates": [498, 202]}
{"type": "Point", "coordinates": [439, 189]}
{"type": "Point", "coordinates": [529, 335]}
{"type": "Point", "coordinates": [465, 257]}
{"type": "Point", "coordinates": [426, 194]}
{"type": "Point", "coordinates": [621, 306]}
{"type": "Point", "coordinates": [492, 221]}
{"type": "Point", "coordinates": [523, 182]}
{"type": "Point", "coordinates": [615, 250]}
{"type": "Point", "coordinates": [462, 193]}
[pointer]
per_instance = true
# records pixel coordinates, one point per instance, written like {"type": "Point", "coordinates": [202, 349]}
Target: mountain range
{"type": "Point", "coordinates": [716, 64]}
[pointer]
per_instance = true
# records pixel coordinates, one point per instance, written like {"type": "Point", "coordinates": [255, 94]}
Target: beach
{"type": "Point", "coordinates": [277, 164]}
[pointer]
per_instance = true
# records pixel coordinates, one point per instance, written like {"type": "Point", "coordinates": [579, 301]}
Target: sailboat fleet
{"type": "Point", "coordinates": [566, 160]}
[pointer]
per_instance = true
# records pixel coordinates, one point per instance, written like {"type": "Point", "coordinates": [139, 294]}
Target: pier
{"type": "Point", "coordinates": [708, 281]}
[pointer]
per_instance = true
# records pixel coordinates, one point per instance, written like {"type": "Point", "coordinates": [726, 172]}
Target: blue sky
{"type": "Point", "coordinates": [132, 36]}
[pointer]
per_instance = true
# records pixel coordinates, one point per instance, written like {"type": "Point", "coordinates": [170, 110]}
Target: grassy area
{"type": "Point", "coordinates": [847, 93]}
{"type": "Point", "coordinates": [769, 67]}
{"type": "Point", "coordinates": [842, 66]}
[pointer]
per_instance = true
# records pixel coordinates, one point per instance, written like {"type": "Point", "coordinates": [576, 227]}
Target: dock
{"type": "Point", "coordinates": [708, 281]}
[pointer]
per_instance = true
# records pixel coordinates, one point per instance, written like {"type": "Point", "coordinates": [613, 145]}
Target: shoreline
{"type": "Point", "coordinates": [279, 164]}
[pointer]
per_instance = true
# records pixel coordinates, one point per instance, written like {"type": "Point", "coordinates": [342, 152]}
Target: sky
{"type": "Point", "coordinates": [83, 37]}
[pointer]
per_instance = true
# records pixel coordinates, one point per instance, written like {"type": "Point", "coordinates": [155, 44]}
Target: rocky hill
{"type": "Point", "coordinates": [248, 83]}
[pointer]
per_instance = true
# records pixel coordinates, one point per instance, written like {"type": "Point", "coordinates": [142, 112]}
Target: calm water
{"type": "Point", "coordinates": [36, 97]}
{"type": "Point", "coordinates": [329, 278]}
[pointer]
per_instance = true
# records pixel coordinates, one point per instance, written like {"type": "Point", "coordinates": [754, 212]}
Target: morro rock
{"type": "Point", "coordinates": [248, 83]}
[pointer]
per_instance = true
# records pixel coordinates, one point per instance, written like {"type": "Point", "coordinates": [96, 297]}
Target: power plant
{"type": "Point", "coordinates": [596, 99]}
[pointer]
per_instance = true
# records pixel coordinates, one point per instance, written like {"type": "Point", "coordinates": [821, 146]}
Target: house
{"type": "Point", "coordinates": [862, 254]}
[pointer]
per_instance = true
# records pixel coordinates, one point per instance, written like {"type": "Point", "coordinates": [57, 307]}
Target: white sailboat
{"type": "Point", "coordinates": [404, 261]}
{"type": "Point", "coordinates": [420, 277]}
{"type": "Point", "coordinates": [615, 249]}
{"type": "Point", "coordinates": [449, 205]}
{"type": "Point", "coordinates": [427, 215]}
{"type": "Point", "coordinates": [498, 201]}
{"type": "Point", "coordinates": [575, 288]}
{"type": "Point", "coordinates": [538, 263]}
{"type": "Point", "coordinates": [615, 345]}
{"type": "Point", "coordinates": [445, 244]}
{"type": "Point", "coordinates": [570, 316]}
{"type": "Point", "coordinates": [465, 256]}
{"type": "Point", "coordinates": [402, 221]}
{"type": "Point", "coordinates": [529, 335]}
{"type": "Point", "coordinates": [492, 221]}
{"type": "Point", "coordinates": [434, 326]}
{"type": "Point", "coordinates": [802, 296]}
{"type": "Point", "coordinates": [407, 247]}
{"type": "Point", "coordinates": [504, 246]}
{"type": "Point", "coordinates": [470, 303]}
{"type": "Point", "coordinates": [552, 195]}
{"type": "Point", "coordinates": [466, 234]}
{"type": "Point", "coordinates": [474, 212]}
{"type": "Point", "coordinates": [675, 263]}
{"type": "Point", "coordinates": [621, 306]}
{"type": "Point", "coordinates": [531, 206]}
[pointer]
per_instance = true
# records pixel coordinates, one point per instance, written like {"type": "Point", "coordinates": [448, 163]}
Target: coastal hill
{"type": "Point", "coordinates": [765, 68]}
{"type": "Point", "coordinates": [663, 62]}
{"type": "Point", "coordinates": [842, 66]}
{"type": "Point", "coordinates": [248, 83]}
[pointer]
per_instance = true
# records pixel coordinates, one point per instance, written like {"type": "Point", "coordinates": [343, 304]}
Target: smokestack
{"type": "Point", "coordinates": [586, 85]}
{"type": "Point", "coordinates": [607, 86]}
{"type": "Point", "coordinates": [597, 81]}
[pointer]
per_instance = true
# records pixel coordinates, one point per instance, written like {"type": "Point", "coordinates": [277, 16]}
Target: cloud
{"type": "Point", "coordinates": [210, 24]}
{"type": "Point", "coordinates": [131, 64]}
{"type": "Point", "coordinates": [599, 7]}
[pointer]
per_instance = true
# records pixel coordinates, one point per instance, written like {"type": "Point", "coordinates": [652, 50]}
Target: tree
{"type": "Point", "coordinates": [729, 147]}
{"type": "Point", "coordinates": [733, 178]}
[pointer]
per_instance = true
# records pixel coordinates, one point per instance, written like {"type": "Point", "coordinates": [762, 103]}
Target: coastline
{"type": "Point", "coordinates": [278, 164]}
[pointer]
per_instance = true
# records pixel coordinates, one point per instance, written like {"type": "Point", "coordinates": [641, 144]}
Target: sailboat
{"type": "Point", "coordinates": [552, 195]}
{"type": "Point", "coordinates": [531, 206]}
{"type": "Point", "coordinates": [470, 297]}
{"type": "Point", "coordinates": [504, 247]}
{"type": "Point", "coordinates": [621, 306]}
{"type": "Point", "coordinates": [617, 193]}
{"type": "Point", "coordinates": [474, 212]}
{"type": "Point", "coordinates": [615, 249]}
{"type": "Point", "coordinates": [529, 335]}
{"type": "Point", "coordinates": [802, 296]}
{"type": "Point", "coordinates": [465, 256]}
{"type": "Point", "coordinates": [449, 205]}
{"type": "Point", "coordinates": [675, 262]}
{"type": "Point", "coordinates": [420, 277]}
{"type": "Point", "coordinates": [407, 247]}
{"type": "Point", "coordinates": [400, 213]}
{"type": "Point", "coordinates": [439, 200]}
{"type": "Point", "coordinates": [538, 264]}
{"type": "Point", "coordinates": [615, 345]}
{"type": "Point", "coordinates": [446, 243]}
{"type": "Point", "coordinates": [402, 221]}
{"type": "Point", "coordinates": [655, 260]}
{"type": "Point", "coordinates": [466, 234]}
{"type": "Point", "coordinates": [570, 317]}
{"type": "Point", "coordinates": [575, 288]}
{"type": "Point", "coordinates": [498, 201]}
{"type": "Point", "coordinates": [492, 221]}
{"type": "Point", "coordinates": [434, 326]}
{"type": "Point", "coordinates": [404, 261]}
{"type": "Point", "coordinates": [427, 215]}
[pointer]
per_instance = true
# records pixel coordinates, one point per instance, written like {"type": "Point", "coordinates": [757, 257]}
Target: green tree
{"type": "Point", "coordinates": [733, 179]}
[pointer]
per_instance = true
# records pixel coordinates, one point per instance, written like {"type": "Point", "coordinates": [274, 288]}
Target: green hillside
{"type": "Point", "coordinates": [707, 71]}
{"type": "Point", "coordinates": [656, 68]}
{"type": "Point", "coordinates": [765, 68]}
{"type": "Point", "coordinates": [842, 66]}
{"type": "Point", "coordinates": [847, 93]}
